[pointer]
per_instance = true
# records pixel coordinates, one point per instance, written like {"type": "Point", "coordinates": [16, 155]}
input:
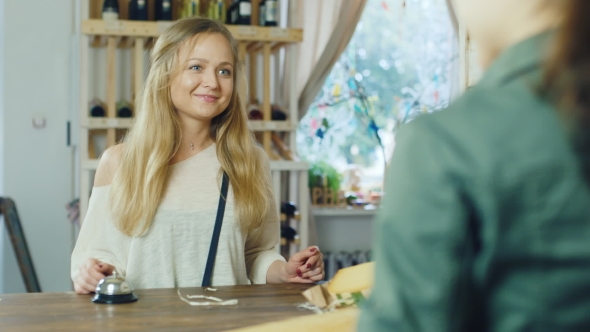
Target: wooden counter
{"type": "Point", "coordinates": [157, 309]}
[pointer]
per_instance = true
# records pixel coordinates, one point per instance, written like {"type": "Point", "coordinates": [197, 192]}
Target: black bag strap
{"type": "Point", "coordinates": [216, 231]}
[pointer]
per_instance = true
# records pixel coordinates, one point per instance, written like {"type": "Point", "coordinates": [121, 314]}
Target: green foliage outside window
{"type": "Point", "coordinates": [323, 174]}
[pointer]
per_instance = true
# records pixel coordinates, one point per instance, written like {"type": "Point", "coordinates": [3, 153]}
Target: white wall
{"type": "Point", "coordinates": [37, 168]}
{"type": "Point", "coordinates": [1, 139]}
{"type": "Point", "coordinates": [344, 232]}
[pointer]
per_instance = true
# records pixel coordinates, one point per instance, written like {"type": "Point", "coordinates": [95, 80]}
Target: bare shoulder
{"type": "Point", "coordinates": [262, 156]}
{"type": "Point", "coordinates": [108, 165]}
{"type": "Point", "coordinates": [260, 153]}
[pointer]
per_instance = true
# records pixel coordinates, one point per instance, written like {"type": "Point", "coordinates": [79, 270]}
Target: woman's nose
{"type": "Point", "coordinates": [210, 80]}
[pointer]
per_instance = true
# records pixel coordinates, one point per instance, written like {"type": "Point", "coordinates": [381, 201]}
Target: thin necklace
{"type": "Point", "coordinates": [192, 146]}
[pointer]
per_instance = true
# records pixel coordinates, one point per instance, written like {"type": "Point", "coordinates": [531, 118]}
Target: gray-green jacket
{"type": "Point", "coordinates": [485, 222]}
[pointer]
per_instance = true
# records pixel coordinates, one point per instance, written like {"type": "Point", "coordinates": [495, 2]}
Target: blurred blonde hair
{"type": "Point", "coordinates": [155, 138]}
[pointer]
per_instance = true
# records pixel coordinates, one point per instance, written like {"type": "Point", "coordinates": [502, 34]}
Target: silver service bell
{"type": "Point", "coordinates": [114, 290]}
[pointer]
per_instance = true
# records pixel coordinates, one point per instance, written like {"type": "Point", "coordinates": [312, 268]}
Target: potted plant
{"type": "Point", "coordinates": [325, 176]}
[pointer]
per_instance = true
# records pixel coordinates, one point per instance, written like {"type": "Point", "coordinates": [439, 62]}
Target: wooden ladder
{"type": "Point", "coordinates": [19, 243]}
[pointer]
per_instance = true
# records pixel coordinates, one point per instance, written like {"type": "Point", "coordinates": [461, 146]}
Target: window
{"type": "Point", "coordinates": [398, 64]}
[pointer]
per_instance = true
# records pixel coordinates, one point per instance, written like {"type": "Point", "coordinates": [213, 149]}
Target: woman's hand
{"type": "Point", "coordinates": [90, 273]}
{"type": "Point", "coordinates": [306, 266]}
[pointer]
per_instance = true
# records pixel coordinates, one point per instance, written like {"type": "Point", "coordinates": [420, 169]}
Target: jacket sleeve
{"type": "Point", "coordinates": [262, 242]}
{"type": "Point", "coordinates": [419, 239]}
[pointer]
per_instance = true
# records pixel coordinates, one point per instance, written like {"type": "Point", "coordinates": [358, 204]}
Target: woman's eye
{"type": "Point", "coordinates": [195, 67]}
{"type": "Point", "coordinates": [225, 72]}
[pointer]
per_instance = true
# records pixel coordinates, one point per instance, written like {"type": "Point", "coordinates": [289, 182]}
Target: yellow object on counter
{"type": "Point", "coordinates": [349, 287]}
{"type": "Point", "coordinates": [353, 279]}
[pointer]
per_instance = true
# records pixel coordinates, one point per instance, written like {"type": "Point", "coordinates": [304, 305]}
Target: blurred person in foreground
{"type": "Point", "coordinates": [485, 223]}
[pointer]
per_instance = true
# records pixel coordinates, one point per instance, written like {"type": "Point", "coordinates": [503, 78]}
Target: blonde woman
{"type": "Point", "coordinates": [155, 198]}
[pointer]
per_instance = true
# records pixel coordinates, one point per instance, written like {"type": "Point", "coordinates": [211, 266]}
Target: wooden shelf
{"type": "Point", "coordinates": [297, 216]}
{"type": "Point", "coordinates": [260, 125]}
{"type": "Point", "coordinates": [123, 28]}
{"type": "Point", "coordinates": [122, 123]}
{"type": "Point", "coordinates": [265, 34]}
{"type": "Point", "coordinates": [107, 123]}
{"type": "Point", "coordinates": [284, 241]}
{"type": "Point", "coordinates": [151, 29]}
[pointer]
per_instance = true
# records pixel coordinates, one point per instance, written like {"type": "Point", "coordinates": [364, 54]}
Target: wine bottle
{"type": "Point", "coordinates": [271, 13]}
{"type": "Point", "coordinates": [277, 114]}
{"type": "Point", "coordinates": [233, 12]}
{"type": "Point", "coordinates": [261, 13]}
{"type": "Point", "coordinates": [97, 108]}
{"type": "Point", "coordinates": [124, 109]}
{"type": "Point", "coordinates": [228, 14]}
{"type": "Point", "coordinates": [163, 10]}
{"type": "Point", "coordinates": [244, 12]}
{"type": "Point", "coordinates": [194, 9]}
{"type": "Point", "coordinates": [255, 114]}
{"type": "Point", "coordinates": [211, 9]}
{"type": "Point", "coordinates": [216, 10]}
{"type": "Point", "coordinates": [110, 10]}
{"type": "Point", "coordinates": [221, 10]}
{"type": "Point", "coordinates": [190, 8]}
{"type": "Point", "coordinates": [138, 10]}
{"type": "Point", "coordinates": [185, 10]}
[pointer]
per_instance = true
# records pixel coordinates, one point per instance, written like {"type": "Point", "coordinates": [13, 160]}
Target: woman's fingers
{"type": "Point", "coordinates": [105, 269]}
{"type": "Point", "coordinates": [315, 272]}
{"type": "Point", "coordinates": [79, 289]}
{"type": "Point", "coordinates": [83, 286]}
{"type": "Point", "coordinates": [304, 255]}
{"type": "Point", "coordinates": [94, 274]}
{"type": "Point", "coordinates": [318, 277]}
{"type": "Point", "coordinates": [90, 273]}
{"type": "Point", "coordinates": [311, 263]}
{"type": "Point", "coordinates": [300, 280]}
{"type": "Point", "coordinates": [300, 262]}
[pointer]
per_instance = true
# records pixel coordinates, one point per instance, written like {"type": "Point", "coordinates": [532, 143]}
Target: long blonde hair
{"type": "Point", "coordinates": [155, 138]}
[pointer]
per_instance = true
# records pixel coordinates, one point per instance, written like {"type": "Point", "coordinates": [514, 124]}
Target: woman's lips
{"type": "Point", "coordinates": [207, 98]}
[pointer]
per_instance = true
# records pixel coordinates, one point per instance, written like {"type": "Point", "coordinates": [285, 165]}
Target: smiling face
{"type": "Point", "coordinates": [203, 85]}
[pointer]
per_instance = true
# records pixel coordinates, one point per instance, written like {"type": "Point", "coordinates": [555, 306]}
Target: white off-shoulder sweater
{"type": "Point", "coordinates": [173, 252]}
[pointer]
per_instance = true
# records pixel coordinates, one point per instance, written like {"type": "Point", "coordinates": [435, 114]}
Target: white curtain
{"type": "Point", "coordinates": [327, 27]}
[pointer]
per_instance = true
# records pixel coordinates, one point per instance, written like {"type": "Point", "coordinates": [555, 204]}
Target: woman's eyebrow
{"type": "Point", "coordinates": [207, 61]}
